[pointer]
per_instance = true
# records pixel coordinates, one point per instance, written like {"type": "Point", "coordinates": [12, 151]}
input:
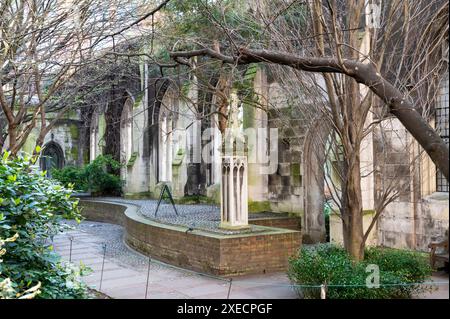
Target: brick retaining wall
{"type": "Point", "coordinates": [200, 250]}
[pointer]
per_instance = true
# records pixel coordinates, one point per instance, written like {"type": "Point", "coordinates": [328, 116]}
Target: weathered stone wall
{"type": "Point", "coordinates": [285, 187]}
{"type": "Point", "coordinates": [412, 220]}
{"type": "Point", "coordinates": [137, 165]}
{"type": "Point", "coordinates": [69, 134]}
{"type": "Point", "coordinates": [336, 235]}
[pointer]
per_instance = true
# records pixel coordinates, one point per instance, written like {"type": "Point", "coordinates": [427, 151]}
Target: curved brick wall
{"type": "Point", "coordinates": [199, 250]}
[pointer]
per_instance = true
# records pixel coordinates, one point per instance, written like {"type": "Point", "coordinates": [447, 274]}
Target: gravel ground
{"type": "Point", "coordinates": [199, 216]}
{"type": "Point", "coordinates": [112, 236]}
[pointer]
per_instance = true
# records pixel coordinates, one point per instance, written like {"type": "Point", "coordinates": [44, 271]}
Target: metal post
{"type": "Point", "coordinates": [164, 189]}
{"type": "Point", "coordinates": [323, 291]}
{"type": "Point", "coordinates": [229, 288]}
{"type": "Point", "coordinates": [103, 266]}
{"type": "Point", "coordinates": [148, 276]}
{"type": "Point", "coordinates": [70, 251]}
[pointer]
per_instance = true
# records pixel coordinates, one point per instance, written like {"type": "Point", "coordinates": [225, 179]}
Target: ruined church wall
{"type": "Point", "coordinates": [69, 134]}
{"type": "Point", "coordinates": [135, 172]}
{"type": "Point", "coordinates": [413, 220]}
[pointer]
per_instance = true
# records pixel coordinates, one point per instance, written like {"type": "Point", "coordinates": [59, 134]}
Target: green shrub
{"type": "Point", "coordinates": [32, 208]}
{"type": "Point", "coordinates": [411, 266]}
{"type": "Point", "coordinates": [71, 175]}
{"type": "Point", "coordinates": [330, 264]}
{"type": "Point", "coordinates": [98, 177]}
{"type": "Point", "coordinates": [7, 290]}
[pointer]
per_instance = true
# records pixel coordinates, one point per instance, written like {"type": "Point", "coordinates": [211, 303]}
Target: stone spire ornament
{"type": "Point", "coordinates": [234, 186]}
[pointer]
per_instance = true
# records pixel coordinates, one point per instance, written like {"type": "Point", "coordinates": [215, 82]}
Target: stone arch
{"type": "Point", "coordinates": [157, 90]}
{"type": "Point", "coordinates": [126, 137]}
{"type": "Point", "coordinates": [165, 145]}
{"type": "Point", "coordinates": [52, 157]}
{"type": "Point", "coordinates": [126, 130]}
{"type": "Point", "coordinates": [113, 113]}
{"type": "Point", "coordinates": [313, 221]}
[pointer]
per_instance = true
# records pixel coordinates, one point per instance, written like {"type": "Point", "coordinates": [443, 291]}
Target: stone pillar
{"type": "Point", "coordinates": [234, 202]}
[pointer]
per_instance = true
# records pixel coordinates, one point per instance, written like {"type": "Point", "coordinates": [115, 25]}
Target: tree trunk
{"type": "Point", "coordinates": [352, 212]}
{"type": "Point", "coordinates": [12, 136]}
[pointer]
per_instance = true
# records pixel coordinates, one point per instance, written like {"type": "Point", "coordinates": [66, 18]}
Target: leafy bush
{"type": "Point", "coordinates": [6, 286]}
{"type": "Point", "coordinates": [98, 177]}
{"type": "Point", "coordinates": [71, 175]}
{"type": "Point", "coordinates": [32, 208]}
{"type": "Point", "coordinates": [330, 264]}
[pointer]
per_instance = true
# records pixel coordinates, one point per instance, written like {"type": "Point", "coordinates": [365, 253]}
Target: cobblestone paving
{"type": "Point", "coordinates": [198, 216]}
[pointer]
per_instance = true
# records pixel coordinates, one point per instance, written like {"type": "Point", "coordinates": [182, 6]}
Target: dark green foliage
{"type": "Point", "coordinates": [409, 265]}
{"type": "Point", "coordinates": [331, 264]}
{"type": "Point", "coordinates": [33, 206]}
{"type": "Point", "coordinates": [197, 18]}
{"type": "Point", "coordinates": [327, 210]}
{"type": "Point", "coordinates": [96, 177]}
{"type": "Point", "coordinates": [71, 175]}
{"type": "Point", "coordinates": [99, 177]}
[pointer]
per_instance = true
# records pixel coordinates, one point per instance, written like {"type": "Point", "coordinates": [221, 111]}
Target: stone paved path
{"type": "Point", "coordinates": [440, 291]}
{"type": "Point", "coordinates": [125, 270]}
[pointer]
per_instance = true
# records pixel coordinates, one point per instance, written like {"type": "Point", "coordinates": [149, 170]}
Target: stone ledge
{"type": "Point", "coordinates": [212, 253]}
{"type": "Point", "coordinates": [292, 223]}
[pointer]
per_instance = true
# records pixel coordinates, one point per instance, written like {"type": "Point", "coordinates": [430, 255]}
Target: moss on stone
{"type": "Point", "coordinates": [365, 212]}
{"type": "Point", "coordinates": [132, 159]}
{"type": "Point", "coordinates": [137, 102]}
{"type": "Point", "coordinates": [141, 195]}
{"type": "Point", "coordinates": [368, 212]}
{"type": "Point", "coordinates": [295, 169]}
{"type": "Point", "coordinates": [297, 213]}
{"type": "Point", "coordinates": [74, 152]}
{"type": "Point", "coordinates": [185, 88]}
{"type": "Point", "coordinates": [193, 199]}
{"type": "Point", "coordinates": [74, 132]}
{"type": "Point", "coordinates": [260, 206]}
{"type": "Point", "coordinates": [248, 116]}
{"type": "Point", "coordinates": [178, 158]}
{"type": "Point", "coordinates": [85, 158]}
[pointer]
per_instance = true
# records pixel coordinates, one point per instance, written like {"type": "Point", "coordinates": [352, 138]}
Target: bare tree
{"type": "Point", "coordinates": [44, 43]}
{"type": "Point", "coordinates": [397, 73]}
